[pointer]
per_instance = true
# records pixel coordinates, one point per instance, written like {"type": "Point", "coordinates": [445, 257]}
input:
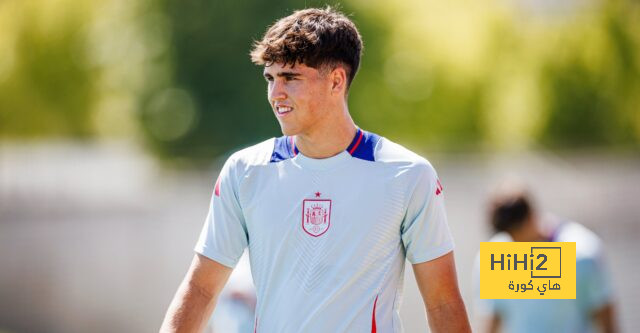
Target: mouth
{"type": "Point", "coordinates": [282, 110]}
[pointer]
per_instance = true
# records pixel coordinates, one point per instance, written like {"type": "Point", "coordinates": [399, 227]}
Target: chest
{"type": "Point", "coordinates": [341, 203]}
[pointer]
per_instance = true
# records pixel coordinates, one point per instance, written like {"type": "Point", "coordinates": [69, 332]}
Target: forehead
{"type": "Point", "coordinates": [280, 68]}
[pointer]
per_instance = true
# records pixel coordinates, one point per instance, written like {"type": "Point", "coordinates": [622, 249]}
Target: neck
{"type": "Point", "coordinates": [531, 233]}
{"type": "Point", "coordinates": [328, 139]}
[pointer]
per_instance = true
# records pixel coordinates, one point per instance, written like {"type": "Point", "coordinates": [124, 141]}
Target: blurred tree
{"type": "Point", "coordinates": [75, 69]}
{"type": "Point", "coordinates": [592, 87]}
{"type": "Point", "coordinates": [463, 74]}
{"type": "Point", "coordinates": [406, 89]}
{"type": "Point", "coordinates": [45, 87]}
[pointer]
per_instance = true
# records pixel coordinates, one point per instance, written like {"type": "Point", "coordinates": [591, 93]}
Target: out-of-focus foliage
{"type": "Point", "coordinates": [503, 74]}
{"type": "Point", "coordinates": [45, 85]}
{"type": "Point", "coordinates": [454, 74]}
{"type": "Point", "coordinates": [592, 84]}
{"type": "Point", "coordinates": [72, 68]}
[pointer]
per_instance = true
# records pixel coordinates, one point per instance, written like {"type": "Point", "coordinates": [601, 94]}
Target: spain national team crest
{"type": "Point", "coordinates": [316, 216]}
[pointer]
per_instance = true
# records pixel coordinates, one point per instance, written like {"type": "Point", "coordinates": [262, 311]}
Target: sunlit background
{"type": "Point", "coordinates": [115, 117]}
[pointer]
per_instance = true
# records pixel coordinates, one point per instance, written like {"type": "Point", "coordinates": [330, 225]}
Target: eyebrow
{"type": "Point", "coordinates": [283, 74]}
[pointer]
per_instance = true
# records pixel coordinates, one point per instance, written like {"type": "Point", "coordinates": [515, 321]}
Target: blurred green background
{"type": "Point", "coordinates": [456, 75]}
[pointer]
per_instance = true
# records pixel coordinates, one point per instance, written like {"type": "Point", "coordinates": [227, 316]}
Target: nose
{"type": "Point", "coordinates": [277, 91]}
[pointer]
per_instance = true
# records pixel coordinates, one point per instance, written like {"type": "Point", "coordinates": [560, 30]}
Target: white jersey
{"type": "Point", "coordinates": [593, 290]}
{"type": "Point", "coordinates": [327, 238]}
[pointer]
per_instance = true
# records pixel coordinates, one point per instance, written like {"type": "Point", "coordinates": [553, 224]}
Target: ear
{"type": "Point", "coordinates": [338, 77]}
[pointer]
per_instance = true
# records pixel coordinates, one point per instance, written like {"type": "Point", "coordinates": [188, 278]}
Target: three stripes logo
{"type": "Point", "coordinates": [438, 187]}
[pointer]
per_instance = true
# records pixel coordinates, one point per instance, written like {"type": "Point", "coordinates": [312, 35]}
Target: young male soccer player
{"type": "Point", "coordinates": [329, 211]}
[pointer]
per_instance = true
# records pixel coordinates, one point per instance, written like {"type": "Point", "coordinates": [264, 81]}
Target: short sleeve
{"type": "Point", "coordinates": [224, 235]}
{"type": "Point", "coordinates": [425, 232]}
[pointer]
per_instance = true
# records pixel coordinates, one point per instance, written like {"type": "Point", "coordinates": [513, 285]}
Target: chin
{"type": "Point", "coordinates": [288, 131]}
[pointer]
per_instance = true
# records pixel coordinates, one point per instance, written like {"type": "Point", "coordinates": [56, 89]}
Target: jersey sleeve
{"type": "Point", "coordinates": [425, 232]}
{"type": "Point", "coordinates": [224, 235]}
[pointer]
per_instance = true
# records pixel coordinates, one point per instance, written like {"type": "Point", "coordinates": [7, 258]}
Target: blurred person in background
{"type": "Point", "coordinates": [329, 212]}
{"type": "Point", "coordinates": [514, 218]}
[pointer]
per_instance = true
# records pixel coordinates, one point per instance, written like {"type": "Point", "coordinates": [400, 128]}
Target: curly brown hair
{"type": "Point", "coordinates": [318, 38]}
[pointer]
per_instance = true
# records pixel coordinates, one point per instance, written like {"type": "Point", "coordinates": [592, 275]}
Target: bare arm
{"type": "Point", "coordinates": [438, 285]}
{"type": "Point", "coordinates": [196, 297]}
{"type": "Point", "coordinates": [605, 319]}
{"type": "Point", "coordinates": [493, 324]}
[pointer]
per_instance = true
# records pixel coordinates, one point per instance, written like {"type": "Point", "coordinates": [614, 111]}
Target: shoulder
{"type": "Point", "coordinates": [258, 154]}
{"type": "Point", "coordinates": [588, 244]}
{"type": "Point", "coordinates": [391, 153]}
